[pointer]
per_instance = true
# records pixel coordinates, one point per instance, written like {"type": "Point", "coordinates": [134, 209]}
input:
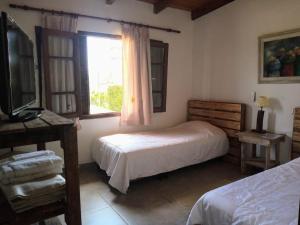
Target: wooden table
{"type": "Point", "coordinates": [49, 127]}
{"type": "Point", "coordinates": [268, 140]}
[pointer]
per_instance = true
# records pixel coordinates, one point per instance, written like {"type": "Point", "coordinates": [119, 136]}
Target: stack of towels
{"type": "Point", "coordinates": [32, 179]}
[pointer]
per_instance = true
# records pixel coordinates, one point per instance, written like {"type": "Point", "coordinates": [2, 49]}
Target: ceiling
{"type": "Point", "coordinates": [197, 8]}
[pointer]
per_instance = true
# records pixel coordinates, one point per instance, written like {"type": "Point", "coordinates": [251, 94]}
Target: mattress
{"type": "Point", "coordinates": [268, 198]}
{"type": "Point", "coordinates": [126, 157]}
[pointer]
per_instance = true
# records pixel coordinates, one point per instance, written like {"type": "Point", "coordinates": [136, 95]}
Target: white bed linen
{"type": "Point", "coordinates": [268, 198]}
{"type": "Point", "coordinates": [126, 157]}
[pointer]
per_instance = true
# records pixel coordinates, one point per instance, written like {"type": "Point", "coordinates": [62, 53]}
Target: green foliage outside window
{"type": "Point", "coordinates": [111, 99]}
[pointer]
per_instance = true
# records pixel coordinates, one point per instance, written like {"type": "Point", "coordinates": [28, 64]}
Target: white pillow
{"type": "Point", "coordinates": [200, 126]}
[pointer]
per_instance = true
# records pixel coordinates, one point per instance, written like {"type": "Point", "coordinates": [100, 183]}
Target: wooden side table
{"type": "Point", "coordinates": [268, 140]}
{"type": "Point", "coordinates": [49, 127]}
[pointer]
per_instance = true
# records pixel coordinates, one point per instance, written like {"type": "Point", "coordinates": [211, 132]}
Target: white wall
{"type": "Point", "coordinates": [226, 58]}
{"type": "Point", "coordinates": [180, 57]}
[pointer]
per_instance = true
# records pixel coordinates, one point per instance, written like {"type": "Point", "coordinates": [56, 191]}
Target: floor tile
{"type": "Point", "coordinates": [102, 217]}
{"type": "Point", "coordinates": [91, 201]}
{"type": "Point", "coordinates": [159, 213]}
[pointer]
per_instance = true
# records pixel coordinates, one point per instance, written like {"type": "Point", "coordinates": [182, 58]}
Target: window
{"type": "Point", "coordinates": [104, 57]}
{"type": "Point", "coordinates": [101, 62]}
{"type": "Point", "coordinates": [87, 81]}
{"type": "Point", "coordinates": [159, 70]}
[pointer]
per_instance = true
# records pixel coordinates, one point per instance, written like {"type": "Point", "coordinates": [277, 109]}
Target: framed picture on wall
{"type": "Point", "coordinates": [279, 60]}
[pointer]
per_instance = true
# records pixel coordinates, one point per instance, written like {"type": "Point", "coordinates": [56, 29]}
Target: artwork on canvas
{"type": "Point", "coordinates": [280, 57]}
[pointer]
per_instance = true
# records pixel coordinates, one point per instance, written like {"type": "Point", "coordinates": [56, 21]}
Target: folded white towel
{"type": "Point", "coordinates": [36, 193]}
{"type": "Point", "coordinates": [33, 189]}
{"type": "Point", "coordinates": [26, 156]}
{"type": "Point", "coordinates": [38, 165]}
{"type": "Point", "coordinates": [22, 179]}
{"type": "Point", "coordinates": [32, 155]}
{"type": "Point", "coordinates": [58, 194]}
{"type": "Point", "coordinates": [24, 205]}
{"type": "Point", "coordinates": [30, 180]}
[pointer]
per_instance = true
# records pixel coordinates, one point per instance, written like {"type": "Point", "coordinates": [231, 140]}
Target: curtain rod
{"type": "Point", "coordinates": [56, 12]}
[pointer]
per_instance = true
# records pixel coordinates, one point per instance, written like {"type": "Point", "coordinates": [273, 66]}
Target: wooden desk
{"type": "Point", "coordinates": [49, 127]}
{"type": "Point", "coordinates": [267, 140]}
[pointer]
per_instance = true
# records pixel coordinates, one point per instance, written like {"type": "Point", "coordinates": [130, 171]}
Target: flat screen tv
{"type": "Point", "coordinates": [17, 75]}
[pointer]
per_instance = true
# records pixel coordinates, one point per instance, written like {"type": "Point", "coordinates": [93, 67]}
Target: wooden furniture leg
{"type": "Point", "coordinates": [267, 157]}
{"type": "Point", "coordinates": [243, 157]}
{"type": "Point", "coordinates": [69, 144]}
{"type": "Point", "coordinates": [41, 146]}
{"type": "Point", "coordinates": [277, 150]}
{"type": "Point", "coordinates": [253, 150]}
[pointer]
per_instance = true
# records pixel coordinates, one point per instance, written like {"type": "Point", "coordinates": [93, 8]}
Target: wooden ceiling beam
{"type": "Point", "coordinates": [110, 2]}
{"type": "Point", "coordinates": [160, 5]}
{"type": "Point", "coordinates": [213, 5]}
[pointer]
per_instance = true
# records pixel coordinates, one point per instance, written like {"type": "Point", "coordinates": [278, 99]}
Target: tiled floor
{"type": "Point", "coordinates": [161, 200]}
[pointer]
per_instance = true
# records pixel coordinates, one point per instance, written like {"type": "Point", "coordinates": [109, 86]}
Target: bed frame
{"type": "Point", "coordinates": [296, 135]}
{"type": "Point", "coordinates": [228, 116]}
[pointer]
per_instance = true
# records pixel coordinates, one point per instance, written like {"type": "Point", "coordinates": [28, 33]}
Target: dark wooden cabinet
{"type": "Point", "coordinates": [49, 127]}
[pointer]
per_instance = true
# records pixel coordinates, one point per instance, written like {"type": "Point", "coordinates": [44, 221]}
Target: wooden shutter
{"type": "Point", "coordinates": [159, 71]}
{"type": "Point", "coordinates": [61, 72]}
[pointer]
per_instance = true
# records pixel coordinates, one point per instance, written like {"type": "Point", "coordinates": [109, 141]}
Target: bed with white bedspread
{"type": "Point", "coordinates": [268, 198]}
{"type": "Point", "coordinates": [210, 133]}
{"type": "Point", "coordinates": [127, 157]}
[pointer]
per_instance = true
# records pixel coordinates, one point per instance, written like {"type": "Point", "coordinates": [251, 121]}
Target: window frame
{"type": "Point", "coordinates": [163, 92]}
{"type": "Point", "coordinates": [85, 98]}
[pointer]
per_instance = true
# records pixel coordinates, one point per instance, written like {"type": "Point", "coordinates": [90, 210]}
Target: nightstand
{"type": "Point", "coordinates": [268, 140]}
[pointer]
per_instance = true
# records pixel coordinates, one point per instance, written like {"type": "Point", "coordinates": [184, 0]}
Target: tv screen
{"type": "Point", "coordinates": [19, 73]}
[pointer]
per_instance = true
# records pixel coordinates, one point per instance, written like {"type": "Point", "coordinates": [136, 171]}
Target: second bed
{"type": "Point", "coordinates": [268, 198]}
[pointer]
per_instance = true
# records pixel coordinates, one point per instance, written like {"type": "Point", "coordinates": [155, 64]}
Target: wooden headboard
{"type": "Point", "coordinates": [296, 135]}
{"type": "Point", "coordinates": [228, 116]}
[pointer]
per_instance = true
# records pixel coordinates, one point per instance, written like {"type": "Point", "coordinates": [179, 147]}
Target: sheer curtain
{"type": "Point", "coordinates": [137, 98]}
{"type": "Point", "coordinates": [62, 23]}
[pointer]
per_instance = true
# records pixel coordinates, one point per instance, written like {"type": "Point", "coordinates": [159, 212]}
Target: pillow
{"type": "Point", "coordinates": [200, 126]}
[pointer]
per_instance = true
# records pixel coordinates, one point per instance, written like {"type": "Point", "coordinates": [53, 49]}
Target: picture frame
{"type": "Point", "coordinates": [279, 57]}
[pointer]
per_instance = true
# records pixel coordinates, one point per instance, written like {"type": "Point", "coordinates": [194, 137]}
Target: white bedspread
{"type": "Point", "coordinates": [126, 157]}
{"type": "Point", "coordinates": [268, 198]}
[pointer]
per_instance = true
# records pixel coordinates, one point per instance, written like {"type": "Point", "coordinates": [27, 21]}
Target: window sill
{"type": "Point", "coordinates": [101, 115]}
{"type": "Point", "coordinates": [159, 110]}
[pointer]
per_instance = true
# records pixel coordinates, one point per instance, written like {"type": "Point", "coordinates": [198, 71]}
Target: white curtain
{"type": "Point", "coordinates": [61, 70]}
{"type": "Point", "coordinates": [62, 23]}
{"type": "Point", "coordinates": [137, 98]}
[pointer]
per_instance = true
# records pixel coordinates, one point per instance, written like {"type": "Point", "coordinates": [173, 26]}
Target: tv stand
{"type": "Point", "coordinates": [27, 115]}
